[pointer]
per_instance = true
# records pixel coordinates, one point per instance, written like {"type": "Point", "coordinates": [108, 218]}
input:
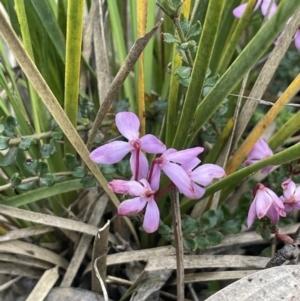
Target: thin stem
{"type": "Point", "coordinates": [183, 40]}
{"type": "Point", "coordinates": [33, 179]}
{"type": "Point", "coordinates": [167, 188]}
{"type": "Point", "coordinates": [175, 207]}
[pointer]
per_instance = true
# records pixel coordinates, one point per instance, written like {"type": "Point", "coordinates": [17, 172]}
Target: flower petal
{"type": "Point", "coordinates": [128, 125]}
{"type": "Point", "coordinates": [205, 174]}
{"type": "Point", "coordinates": [132, 206]}
{"type": "Point", "coordinates": [239, 10]}
{"type": "Point", "coordinates": [289, 188]}
{"type": "Point", "coordinates": [251, 214]}
{"type": "Point", "coordinates": [110, 153]}
{"type": "Point", "coordinates": [266, 169]}
{"type": "Point", "coordinates": [155, 177]}
{"type": "Point", "coordinates": [151, 218]}
{"type": "Point", "coordinates": [133, 188]}
{"type": "Point", "coordinates": [265, 7]}
{"type": "Point", "coordinates": [260, 150]}
{"type": "Point", "coordinates": [273, 214]}
{"type": "Point", "coordinates": [198, 191]}
{"type": "Point", "coordinates": [180, 178]}
{"type": "Point", "coordinates": [143, 165]}
{"type": "Point", "coordinates": [152, 145]}
{"type": "Point", "coordinates": [191, 164]}
{"type": "Point", "coordinates": [263, 202]}
{"type": "Point", "coordinates": [297, 39]}
{"type": "Point", "coordinates": [184, 156]}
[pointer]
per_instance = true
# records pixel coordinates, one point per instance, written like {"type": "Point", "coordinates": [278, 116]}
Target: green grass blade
{"type": "Point", "coordinates": [73, 59]}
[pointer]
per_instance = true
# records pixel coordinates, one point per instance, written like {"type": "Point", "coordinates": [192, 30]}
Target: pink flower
{"type": "Point", "coordinates": [291, 195]}
{"type": "Point", "coordinates": [260, 151]}
{"type": "Point", "coordinates": [265, 203]}
{"type": "Point", "coordinates": [202, 175]}
{"type": "Point", "coordinates": [170, 163]}
{"type": "Point", "coordinates": [263, 4]}
{"type": "Point", "coordinates": [144, 198]}
{"type": "Point", "coordinates": [297, 39]}
{"type": "Point", "coordinates": [128, 124]}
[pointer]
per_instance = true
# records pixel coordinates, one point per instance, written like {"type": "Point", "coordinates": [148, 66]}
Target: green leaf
{"type": "Point", "coordinates": [212, 216]}
{"type": "Point", "coordinates": [170, 7]}
{"type": "Point", "coordinates": [226, 211]}
{"type": "Point", "coordinates": [79, 172]}
{"type": "Point", "coordinates": [201, 242]}
{"type": "Point", "coordinates": [48, 149]}
{"type": "Point", "coordinates": [43, 168]}
{"type": "Point", "coordinates": [15, 180]}
{"type": "Point", "coordinates": [231, 227]}
{"type": "Point", "coordinates": [203, 223]}
{"type": "Point", "coordinates": [32, 166]}
{"type": "Point", "coordinates": [2, 128]}
{"type": "Point", "coordinates": [3, 142]}
{"type": "Point", "coordinates": [189, 225]}
{"type": "Point", "coordinates": [26, 186]}
{"type": "Point", "coordinates": [71, 161]}
{"type": "Point", "coordinates": [88, 181]}
{"type": "Point", "coordinates": [214, 237]}
{"type": "Point", "coordinates": [48, 179]}
{"type": "Point", "coordinates": [25, 143]}
{"type": "Point", "coordinates": [10, 125]}
{"type": "Point", "coordinates": [194, 30]}
{"type": "Point", "coordinates": [169, 38]}
{"type": "Point", "coordinates": [10, 157]}
{"type": "Point", "coordinates": [164, 230]}
{"type": "Point", "coordinates": [183, 72]}
{"type": "Point", "coordinates": [189, 244]}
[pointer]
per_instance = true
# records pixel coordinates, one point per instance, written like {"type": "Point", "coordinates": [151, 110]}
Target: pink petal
{"type": "Point", "coordinates": [180, 178]}
{"type": "Point", "coordinates": [266, 169]}
{"type": "Point", "coordinates": [155, 178]}
{"type": "Point", "coordinates": [143, 165]}
{"type": "Point", "coordinates": [251, 214]}
{"type": "Point", "coordinates": [289, 188]}
{"type": "Point", "coordinates": [260, 150]}
{"type": "Point", "coordinates": [152, 145]}
{"type": "Point", "coordinates": [184, 156]}
{"type": "Point", "coordinates": [263, 203]}
{"type": "Point", "coordinates": [191, 164]}
{"type": "Point", "coordinates": [133, 188]}
{"type": "Point", "coordinates": [265, 6]}
{"type": "Point", "coordinates": [110, 153]}
{"type": "Point", "coordinates": [198, 191]}
{"type": "Point", "coordinates": [275, 199]}
{"type": "Point", "coordinates": [151, 218]}
{"type": "Point", "coordinates": [132, 206]}
{"type": "Point", "coordinates": [297, 39]}
{"type": "Point", "coordinates": [297, 194]}
{"type": "Point", "coordinates": [239, 10]}
{"type": "Point", "coordinates": [205, 174]}
{"type": "Point", "coordinates": [273, 214]}
{"type": "Point", "coordinates": [128, 125]}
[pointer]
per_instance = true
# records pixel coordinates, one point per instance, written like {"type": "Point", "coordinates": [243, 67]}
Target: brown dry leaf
{"type": "Point", "coordinates": [24, 248]}
{"type": "Point", "coordinates": [44, 285]}
{"type": "Point", "coordinates": [279, 283]}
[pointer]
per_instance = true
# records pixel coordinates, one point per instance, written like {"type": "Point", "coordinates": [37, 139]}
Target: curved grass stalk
{"type": "Point", "coordinates": [73, 60]}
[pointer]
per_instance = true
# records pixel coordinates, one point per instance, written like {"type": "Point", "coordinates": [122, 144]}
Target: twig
{"type": "Point", "coordinates": [119, 79]}
{"type": "Point", "coordinates": [175, 207]}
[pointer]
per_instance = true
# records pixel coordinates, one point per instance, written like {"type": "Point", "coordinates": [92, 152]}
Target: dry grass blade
{"type": "Point", "coordinates": [25, 260]}
{"type": "Point", "coordinates": [16, 269]}
{"type": "Point", "coordinates": [26, 232]}
{"type": "Point", "coordinates": [9, 283]}
{"type": "Point", "coordinates": [212, 276]}
{"type": "Point", "coordinates": [54, 221]}
{"type": "Point", "coordinates": [24, 248]}
{"type": "Point", "coordinates": [266, 75]}
{"type": "Point", "coordinates": [119, 79]}
{"type": "Point", "coordinates": [207, 261]}
{"type": "Point", "coordinates": [84, 243]}
{"type": "Point", "coordinates": [100, 254]}
{"type": "Point", "coordinates": [45, 284]}
{"type": "Point", "coordinates": [175, 208]}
